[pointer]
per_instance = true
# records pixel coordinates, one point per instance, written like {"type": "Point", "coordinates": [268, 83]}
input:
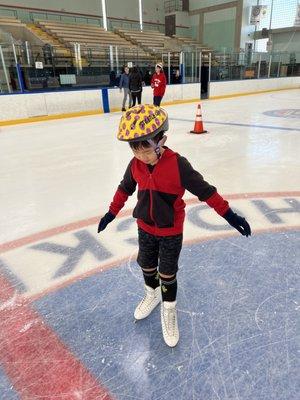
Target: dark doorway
{"type": "Point", "coordinates": [185, 5]}
{"type": "Point", "coordinates": [170, 25]}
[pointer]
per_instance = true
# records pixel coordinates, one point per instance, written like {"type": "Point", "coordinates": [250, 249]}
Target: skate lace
{"type": "Point", "coordinates": [171, 319]}
{"type": "Point", "coordinates": [146, 301]}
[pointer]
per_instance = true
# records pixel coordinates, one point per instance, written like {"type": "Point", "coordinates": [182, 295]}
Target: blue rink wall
{"type": "Point", "coordinates": [20, 107]}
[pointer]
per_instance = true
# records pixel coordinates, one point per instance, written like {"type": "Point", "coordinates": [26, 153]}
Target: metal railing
{"type": "Point", "coordinates": [27, 15]}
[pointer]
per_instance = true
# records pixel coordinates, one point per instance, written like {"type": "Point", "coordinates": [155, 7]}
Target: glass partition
{"type": "Point", "coordinates": [5, 86]}
{"type": "Point", "coordinates": [49, 68]}
{"type": "Point", "coordinates": [233, 66]}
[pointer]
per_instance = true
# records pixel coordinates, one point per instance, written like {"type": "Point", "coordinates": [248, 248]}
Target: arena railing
{"type": "Point", "coordinates": [30, 14]}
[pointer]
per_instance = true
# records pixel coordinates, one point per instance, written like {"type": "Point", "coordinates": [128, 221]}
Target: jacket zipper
{"type": "Point", "coordinates": [151, 201]}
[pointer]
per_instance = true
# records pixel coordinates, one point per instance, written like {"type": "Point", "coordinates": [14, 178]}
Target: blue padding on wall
{"type": "Point", "coordinates": [20, 78]}
{"type": "Point", "coordinates": [182, 72]}
{"type": "Point", "coordinates": [105, 101]}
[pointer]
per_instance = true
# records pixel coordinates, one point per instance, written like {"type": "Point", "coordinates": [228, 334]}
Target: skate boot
{"type": "Point", "coordinates": [151, 299]}
{"type": "Point", "coordinates": [169, 323]}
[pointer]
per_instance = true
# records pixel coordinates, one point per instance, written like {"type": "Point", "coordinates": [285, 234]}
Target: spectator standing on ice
{"type": "Point", "coordinates": [135, 86]}
{"type": "Point", "coordinates": [124, 84]}
{"type": "Point", "coordinates": [158, 84]}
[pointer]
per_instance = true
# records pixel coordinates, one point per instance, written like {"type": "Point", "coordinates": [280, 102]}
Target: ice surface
{"type": "Point", "coordinates": [67, 295]}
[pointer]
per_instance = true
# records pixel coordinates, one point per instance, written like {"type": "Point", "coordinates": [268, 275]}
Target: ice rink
{"type": "Point", "coordinates": [67, 294]}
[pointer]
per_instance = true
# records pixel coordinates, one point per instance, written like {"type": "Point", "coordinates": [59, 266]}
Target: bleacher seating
{"type": "Point", "coordinates": [151, 41]}
{"type": "Point", "coordinates": [94, 40]}
{"type": "Point", "coordinates": [146, 46]}
{"type": "Point", "coordinates": [184, 41]}
{"type": "Point", "coordinates": [10, 21]}
{"type": "Point", "coordinates": [156, 42]}
{"type": "Point", "coordinates": [60, 50]}
{"type": "Point", "coordinates": [89, 35]}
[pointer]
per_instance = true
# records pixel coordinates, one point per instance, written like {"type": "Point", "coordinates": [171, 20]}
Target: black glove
{"type": "Point", "coordinates": [239, 223]}
{"type": "Point", "coordinates": [108, 217]}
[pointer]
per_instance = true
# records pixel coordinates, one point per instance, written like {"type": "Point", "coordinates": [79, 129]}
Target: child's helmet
{"type": "Point", "coordinates": [142, 122]}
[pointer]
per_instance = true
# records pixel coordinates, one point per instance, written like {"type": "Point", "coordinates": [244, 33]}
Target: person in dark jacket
{"type": "Point", "coordinates": [177, 77]}
{"type": "Point", "coordinates": [147, 77]}
{"type": "Point", "coordinates": [135, 86]}
{"type": "Point", "coordinates": [48, 54]}
{"type": "Point", "coordinates": [124, 84]}
{"type": "Point", "coordinates": [112, 78]}
{"type": "Point", "coordinates": [162, 176]}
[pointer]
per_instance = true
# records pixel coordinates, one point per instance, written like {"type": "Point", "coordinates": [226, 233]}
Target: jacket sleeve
{"type": "Point", "coordinates": [121, 81]}
{"type": "Point", "coordinates": [164, 82]}
{"type": "Point", "coordinates": [129, 82]}
{"type": "Point", "coordinates": [193, 181]}
{"type": "Point", "coordinates": [125, 189]}
{"type": "Point", "coordinates": [152, 80]}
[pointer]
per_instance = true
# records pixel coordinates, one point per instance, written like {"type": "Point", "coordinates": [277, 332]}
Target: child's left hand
{"type": "Point", "coordinates": [108, 217]}
{"type": "Point", "coordinates": [239, 223]}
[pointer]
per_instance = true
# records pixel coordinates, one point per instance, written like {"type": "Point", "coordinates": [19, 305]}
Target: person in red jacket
{"type": "Point", "coordinates": [158, 84]}
{"type": "Point", "coordinates": [162, 176]}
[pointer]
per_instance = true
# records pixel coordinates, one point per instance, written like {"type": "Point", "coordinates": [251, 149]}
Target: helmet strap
{"type": "Point", "coordinates": [156, 146]}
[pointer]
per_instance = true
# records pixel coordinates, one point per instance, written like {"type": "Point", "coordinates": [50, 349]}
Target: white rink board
{"type": "Point", "coordinates": [20, 106]}
{"type": "Point", "coordinates": [75, 101]}
{"type": "Point", "coordinates": [40, 104]}
{"type": "Point", "coordinates": [173, 93]}
{"type": "Point", "coordinates": [245, 86]}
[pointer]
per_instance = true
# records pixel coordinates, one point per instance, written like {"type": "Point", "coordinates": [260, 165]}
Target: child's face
{"type": "Point", "coordinates": [146, 154]}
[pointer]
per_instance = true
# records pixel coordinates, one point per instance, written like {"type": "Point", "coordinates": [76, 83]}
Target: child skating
{"type": "Point", "coordinates": [162, 176]}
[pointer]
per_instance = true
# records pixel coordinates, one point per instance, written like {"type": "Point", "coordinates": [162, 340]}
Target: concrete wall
{"type": "Point", "coordinates": [195, 4]}
{"type": "Point", "coordinates": [219, 29]}
{"type": "Point", "coordinates": [194, 23]}
{"type": "Point", "coordinates": [287, 41]}
{"type": "Point", "coordinates": [214, 23]}
{"type": "Point", "coordinates": [79, 6]}
{"type": "Point", "coordinates": [247, 30]}
{"type": "Point", "coordinates": [153, 11]}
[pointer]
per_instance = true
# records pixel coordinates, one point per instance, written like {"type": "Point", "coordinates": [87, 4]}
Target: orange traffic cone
{"type": "Point", "coordinates": [198, 127]}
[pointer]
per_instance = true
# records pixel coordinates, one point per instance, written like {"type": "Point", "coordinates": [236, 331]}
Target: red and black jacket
{"type": "Point", "coordinates": [160, 207]}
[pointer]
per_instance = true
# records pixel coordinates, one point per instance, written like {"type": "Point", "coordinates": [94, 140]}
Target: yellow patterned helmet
{"type": "Point", "coordinates": [142, 122]}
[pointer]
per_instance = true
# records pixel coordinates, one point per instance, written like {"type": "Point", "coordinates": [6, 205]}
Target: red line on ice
{"type": "Point", "coordinates": [35, 360]}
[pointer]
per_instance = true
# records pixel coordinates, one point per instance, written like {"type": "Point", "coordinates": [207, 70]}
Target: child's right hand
{"type": "Point", "coordinates": [108, 217]}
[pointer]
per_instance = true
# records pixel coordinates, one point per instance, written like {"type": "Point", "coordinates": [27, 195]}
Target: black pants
{"type": "Point", "coordinates": [157, 100]}
{"type": "Point", "coordinates": [136, 95]}
{"type": "Point", "coordinates": [161, 251]}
